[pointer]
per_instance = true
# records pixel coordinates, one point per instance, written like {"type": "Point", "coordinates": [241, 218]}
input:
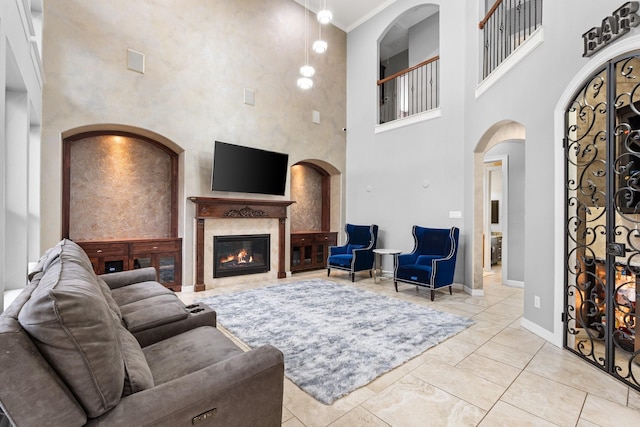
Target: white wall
{"type": "Point", "coordinates": [412, 175]}
{"type": "Point", "coordinates": [394, 164]}
{"type": "Point", "coordinates": [528, 94]}
{"type": "Point", "coordinates": [20, 117]}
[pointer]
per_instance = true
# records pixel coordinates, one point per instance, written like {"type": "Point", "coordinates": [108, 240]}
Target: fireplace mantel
{"type": "Point", "coordinates": [213, 207]}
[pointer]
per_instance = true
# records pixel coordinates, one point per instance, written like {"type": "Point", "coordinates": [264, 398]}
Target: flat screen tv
{"type": "Point", "coordinates": [248, 170]}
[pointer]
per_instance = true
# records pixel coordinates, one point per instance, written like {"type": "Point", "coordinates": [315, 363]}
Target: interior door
{"type": "Point", "coordinates": [602, 148]}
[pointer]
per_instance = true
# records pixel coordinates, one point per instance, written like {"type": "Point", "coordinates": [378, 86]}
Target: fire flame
{"type": "Point", "coordinates": [241, 257]}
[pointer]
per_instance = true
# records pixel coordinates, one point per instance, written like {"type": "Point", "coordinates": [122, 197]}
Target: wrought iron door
{"type": "Point", "coordinates": [602, 172]}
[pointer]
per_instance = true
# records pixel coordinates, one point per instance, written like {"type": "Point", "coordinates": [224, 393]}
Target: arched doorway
{"type": "Point", "coordinates": [505, 130]}
{"type": "Point", "coordinates": [602, 218]}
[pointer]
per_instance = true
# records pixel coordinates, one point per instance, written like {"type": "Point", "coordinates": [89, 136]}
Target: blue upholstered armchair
{"type": "Point", "coordinates": [357, 254]}
{"type": "Point", "coordinates": [433, 260]}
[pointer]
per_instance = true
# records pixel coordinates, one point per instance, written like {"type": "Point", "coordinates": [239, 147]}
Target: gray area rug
{"type": "Point", "coordinates": [335, 338]}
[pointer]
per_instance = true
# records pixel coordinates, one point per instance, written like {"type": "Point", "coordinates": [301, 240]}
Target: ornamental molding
{"type": "Point", "coordinates": [245, 212]}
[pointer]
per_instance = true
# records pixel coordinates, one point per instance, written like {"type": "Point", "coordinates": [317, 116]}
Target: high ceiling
{"type": "Point", "coordinates": [348, 14]}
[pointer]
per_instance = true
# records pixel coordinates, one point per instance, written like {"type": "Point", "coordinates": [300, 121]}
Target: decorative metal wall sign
{"type": "Point", "coordinates": [612, 28]}
{"type": "Point", "coordinates": [602, 242]}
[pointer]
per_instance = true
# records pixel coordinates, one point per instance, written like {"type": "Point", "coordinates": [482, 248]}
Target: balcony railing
{"type": "Point", "coordinates": [411, 91]}
{"type": "Point", "coordinates": [507, 25]}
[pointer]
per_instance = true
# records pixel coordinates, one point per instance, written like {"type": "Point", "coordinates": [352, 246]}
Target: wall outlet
{"type": "Point", "coordinates": [536, 301]}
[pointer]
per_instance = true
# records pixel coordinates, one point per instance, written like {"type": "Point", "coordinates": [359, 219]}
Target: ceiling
{"type": "Point", "coordinates": [348, 14]}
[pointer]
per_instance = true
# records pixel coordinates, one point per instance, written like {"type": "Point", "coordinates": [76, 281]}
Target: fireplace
{"type": "Point", "coordinates": [223, 211]}
{"type": "Point", "coordinates": [238, 255]}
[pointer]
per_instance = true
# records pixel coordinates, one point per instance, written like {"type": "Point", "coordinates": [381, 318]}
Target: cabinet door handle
{"type": "Point", "coordinates": [99, 251]}
{"type": "Point", "coordinates": [155, 247]}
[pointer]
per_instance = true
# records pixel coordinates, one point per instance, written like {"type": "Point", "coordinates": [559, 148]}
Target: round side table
{"type": "Point", "coordinates": [379, 253]}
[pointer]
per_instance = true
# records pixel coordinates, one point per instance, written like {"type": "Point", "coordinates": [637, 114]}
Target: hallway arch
{"type": "Point", "coordinates": [504, 130]}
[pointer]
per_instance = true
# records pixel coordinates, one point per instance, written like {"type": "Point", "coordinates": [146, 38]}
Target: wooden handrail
{"type": "Point", "coordinates": [408, 70]}
{"type": "Point", "coordinates": [486, 18]}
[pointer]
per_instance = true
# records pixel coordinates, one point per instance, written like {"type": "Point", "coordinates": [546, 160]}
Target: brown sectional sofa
{"type": "Point", "coordinates": [121, 349]}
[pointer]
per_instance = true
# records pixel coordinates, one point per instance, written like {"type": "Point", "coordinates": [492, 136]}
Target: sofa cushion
{"type": "Point", "coordinates": [415, 273]}
{"type": "Point", "coordinates": [202, 347]}
{"type": "Point", "coordinates": [138, 375]}
{"type": "Point", "coordinates": [73, 327]}
{"type": "Point", "coordinates": [138, 291]}
{"type": "Point", "coordinates": [151, 312]}
{"type": "Point", "coordinates": [435, 242]}
{"type": "Point", "coordinates": [342, 260]}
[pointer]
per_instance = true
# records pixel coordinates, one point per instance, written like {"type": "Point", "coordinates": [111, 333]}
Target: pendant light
{"type": "Point", "coordinates": [319, 46]}
{"type": "Point", "coordinates": [307, 71]}
{"type": "Point", "coordinates": [324, 16]}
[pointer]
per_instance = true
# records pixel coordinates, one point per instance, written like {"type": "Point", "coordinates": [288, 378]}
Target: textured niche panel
{"type": "Point", "coordinates": [306, 190]}
{"type": "Point", "coordinates": [120, 189]}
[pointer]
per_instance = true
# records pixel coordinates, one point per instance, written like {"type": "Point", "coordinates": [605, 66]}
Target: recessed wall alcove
{"type": "Point", "coordinates": [312, 215]}
{"type": "Point", "coordinates": [120, 202]}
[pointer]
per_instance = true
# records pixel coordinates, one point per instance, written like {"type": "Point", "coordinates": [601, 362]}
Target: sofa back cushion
{"type": "Point", "coordinates": [30, 391]}
{"type": "Point", "coordinates": [435, 241]}
{"type": "Point", "coordinates": [72, 325]}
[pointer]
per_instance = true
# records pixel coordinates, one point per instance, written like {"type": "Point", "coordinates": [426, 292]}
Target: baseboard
{"type": "Point", "coordinates": [186, 288]}
{"type": "Point", "coordinates": [539, 331]}
{"type": "Point", "coordinates": [473, 292]}
{"type": "Point", "coordinates": [515, 284]}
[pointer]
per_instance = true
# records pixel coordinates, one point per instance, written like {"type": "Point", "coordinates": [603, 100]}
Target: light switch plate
{"type": "Point", "coordinates": [315, 117]}
{"type": "Point", "coordinates": [455, 214]}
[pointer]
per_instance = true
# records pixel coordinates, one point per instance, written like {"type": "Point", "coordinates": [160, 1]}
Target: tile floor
{"type": "Point", "coordinates": [495, 373]}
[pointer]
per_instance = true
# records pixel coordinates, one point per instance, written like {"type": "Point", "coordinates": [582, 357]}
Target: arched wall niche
{"type": "Point", "coordinates": [119, 182]}
{"type": "Point", "coordinates": [114, 127]}
{"type": "Point", "coordinates": [312, 190]}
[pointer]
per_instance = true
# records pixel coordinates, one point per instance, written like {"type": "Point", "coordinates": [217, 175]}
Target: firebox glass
{"type": "Point", "coordinates": [238, 255]}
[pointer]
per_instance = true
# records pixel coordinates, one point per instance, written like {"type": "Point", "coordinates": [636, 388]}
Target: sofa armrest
{"type": "Point", "coordinates": [198, 314]}
{"type": "Point", "coordinates": [129, 277]}
{"type": "Point", "coordinates": [444, 269]}
{"type": "Point", "coordinates": [363, 258]}
{"type": "Point", "coordinates": [244, 390]}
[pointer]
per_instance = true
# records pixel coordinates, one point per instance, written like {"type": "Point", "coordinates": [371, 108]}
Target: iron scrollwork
{"type": "Point", "coordinates": [602, 216]}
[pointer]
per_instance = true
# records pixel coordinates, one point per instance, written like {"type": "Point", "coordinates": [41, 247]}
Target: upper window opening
{"type": "Point", "coordinates": [409, 64]}
{"type": "Point", "coordinates": [506, 25]}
